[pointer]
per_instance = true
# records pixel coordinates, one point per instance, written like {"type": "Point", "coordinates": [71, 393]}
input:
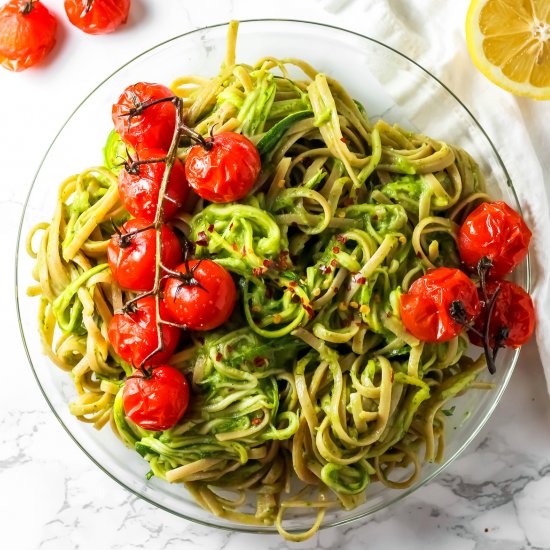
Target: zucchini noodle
{"type": "Point", "coordinates": [313, 389]}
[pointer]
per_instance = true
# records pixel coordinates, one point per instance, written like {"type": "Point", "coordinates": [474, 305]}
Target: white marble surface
{"type": "Point", "coordinates": [496, 496]}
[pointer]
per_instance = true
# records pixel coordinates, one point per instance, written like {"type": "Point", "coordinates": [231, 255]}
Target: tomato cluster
{"type": "Point", "coordinates": [493, 240]}
{"type": "Point", "coordinates": [186, 293]}
{"type": "Point", "coordinates": [28, 29]}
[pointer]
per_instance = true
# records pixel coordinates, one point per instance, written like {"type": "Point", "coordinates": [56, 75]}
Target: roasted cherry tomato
{"type": "Point", "coordinates": [226, 171]}
{"type": "Point", "coordinates": [142, 126]}
{"type": "Point", "coordinates": [140, 191]}
{"type": "Point", "coordinates": [513, 317]}
{"type": "Point", "coordinates": [158, 400]}
{"type": "Point", "coordinates": [496, 231]}
{"type": "Point", "coordinates": [97, 16]}
{"type": "Point", "coordinates": [204, 298]}
{"type": "Point", "coordinates": [134, 335]}
{"type": "Point", "coordinates": [426, 307]}
{"type": "Point", "coordinates": [27, 33]}
{"type": "Point", "coordinates": [132, 258]}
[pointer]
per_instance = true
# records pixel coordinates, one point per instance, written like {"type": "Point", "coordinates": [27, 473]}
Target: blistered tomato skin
{"type": "Point", "coordinates": [201, 308]}
{"type": "Point", "coordinates": [27, 34]}
{"type": "Point", "coordinates": [139, 192]}
{"type": "Point", "coordinates": [498, 232]}
{"type": "Point", "coordinates": [134, 335]}
{"type": "Point", "coordinates": [154, 126]}
{"type": "Point", "coordinates": [513, 311]}
{"type": "Point", "coordinates": [227, 171]}
{"type": "Point", "coordinates": [425, 308]}
{"type": "Point", "coordinates": [156, 403]}
{"type": "Point", "coordinates": [133, 265]}
{"type": "Point", "coordinates": [97, 16]}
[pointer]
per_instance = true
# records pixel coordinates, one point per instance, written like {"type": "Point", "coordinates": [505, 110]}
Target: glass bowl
{"type": "Point", "coordinates": [390, 86]}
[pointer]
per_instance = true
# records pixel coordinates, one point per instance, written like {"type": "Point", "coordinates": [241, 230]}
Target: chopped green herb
{"type": "Point", "coordinates": [449, 412]}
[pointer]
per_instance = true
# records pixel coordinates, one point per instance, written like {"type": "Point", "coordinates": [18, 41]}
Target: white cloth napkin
{"type": "Point", "coordinates": [432, 33]}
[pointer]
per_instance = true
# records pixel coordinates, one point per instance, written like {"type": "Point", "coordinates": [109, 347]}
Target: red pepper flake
{"type": "Point", "coordinates": [243, 250]}
{"type": "Point", "coordinates": [391, 376]}
{"type": "Point", "coordinates": [256, 421]}
{"type": "Point", "coordinates": [418, 255]}
{"type": "Point", "coordinates": [269, 264]}
{"type": "Point", "coordinates": [219, 357]}
{"type": "Point", "coordinates": [230, 226]}
{"type": "Point", "coordinates": [335, 250]}
{"type": "Point", "coordinates": [258, 271]}
{"type": "Point", "coordinates": [309, 310]}
{"type": "Point", "coordinates": [235, 247]}
{"type": "Point", "coordinates": [343, 139]}
{"type": "Point", "coordinates": [211, 228]}
{"type": "Point", "coordinates": [292, 284]}
{"type": "Point", "coordinates": [283, 264]}
{"type": "Point", "coordinates": [203, 239]}
{"type": "Point", "coordinates": [341, 239]}
{"type": "Point", "coordinates": [325, 269]}
{"type": "Point", "coordinates": [333, 263]}
{"type": "Point", "coordinates": [260, 361]}
{"type": "Point", "coordinates": [361, 280]}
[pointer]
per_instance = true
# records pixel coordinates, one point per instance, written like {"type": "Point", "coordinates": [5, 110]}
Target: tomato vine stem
{"type": "Point", "coordinates": [483, 267]}
{"type": "Point", "coordinates": [188, 278]}
{"type": "Point", "coordinates": [458, 314]}
{"type": "Point", "coordinates": [27, 7]}
{"type": "Point", "coordinates": [159, 219]}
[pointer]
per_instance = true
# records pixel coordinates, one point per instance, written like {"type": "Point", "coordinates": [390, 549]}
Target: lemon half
{"type": "Point", "coordinates": [509, 41]}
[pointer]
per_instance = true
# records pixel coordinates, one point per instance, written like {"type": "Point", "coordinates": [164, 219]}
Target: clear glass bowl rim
{"type": "Point", "coordinates": [247, 528]}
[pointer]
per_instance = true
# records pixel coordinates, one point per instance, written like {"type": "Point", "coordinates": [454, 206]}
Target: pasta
{"type": "Point", "coordinates": [313, 389]}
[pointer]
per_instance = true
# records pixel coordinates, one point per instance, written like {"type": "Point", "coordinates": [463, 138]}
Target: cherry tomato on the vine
{"type": "Point", "coordinates": [141, 126]}
{"type": "Point", "coordinates": [156, 401]}
{"type": "Point", "coordinates": [496, 231]}
{"type": "Point", "coordinates": [139, 192]}
{"type": "Point", "coordinates": [513, 317]}
{"type": "Point", "coordinates": [226, 171]}
{"type": "Point", "coordinates": [97, 16]}
{"type": "Point", "coordinates": [27, 33]}
{"type": "Point", "coordinates": [426, 307]}
{"type": "Point", "coordinates": [202, 306]}
{"type": "Point", "coordinates": [132, 259]}
{"type": "Point", "coordinates": [134, 334]}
